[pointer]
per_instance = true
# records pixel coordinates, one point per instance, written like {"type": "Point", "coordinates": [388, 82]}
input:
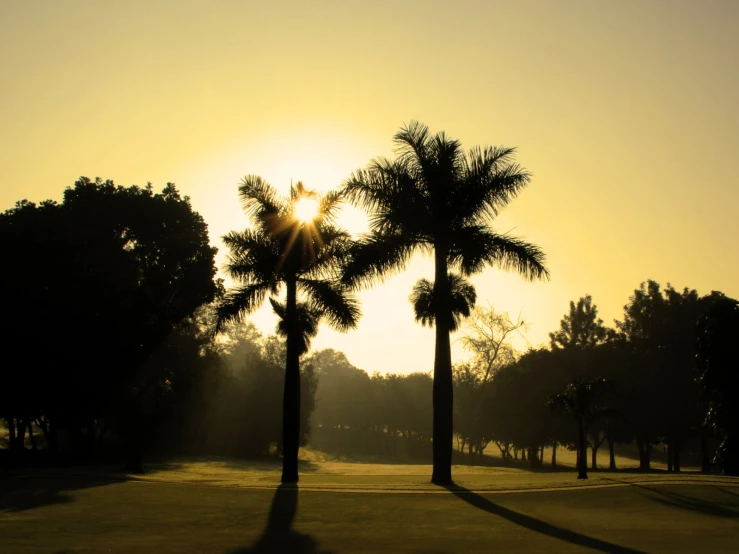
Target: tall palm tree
{"type": "Point", "coordinates": [302, 250]}
{"type": "Point", "coordinates": [463, 298]}
{"type": "Point", "coordinates": [436, 198]}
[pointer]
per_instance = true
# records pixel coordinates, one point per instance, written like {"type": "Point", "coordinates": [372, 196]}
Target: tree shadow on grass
{"type": "Point", "coordinates": [538, 525]}
{"type": "Point", "coordinates": [279, 536]}
{"type": "Point", "coordinates": [715, 507]}
{"type": "Point", "coordinates": [27, 493]}
{"type": "Point", "coordinates": [727, 491]}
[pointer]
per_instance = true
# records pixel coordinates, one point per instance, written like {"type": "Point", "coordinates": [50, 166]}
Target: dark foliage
{"type": "Point", "coordinates": [95, 286]}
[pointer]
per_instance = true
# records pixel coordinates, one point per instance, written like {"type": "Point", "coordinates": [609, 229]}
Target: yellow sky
{"type": "Point", "coordinates": [625, 112]}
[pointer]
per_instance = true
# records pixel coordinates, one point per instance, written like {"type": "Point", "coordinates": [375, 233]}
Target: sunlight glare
{"type": "Point", "coordinates": [306, 209]}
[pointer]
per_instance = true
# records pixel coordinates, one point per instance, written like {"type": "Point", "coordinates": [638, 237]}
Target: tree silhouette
{"type": "Point", "coordinates": [659, 326]}
{"type": "Point", "coordinates": [716, 362]}
{"type": "Point", "coordinates": [105, 277]}
{"type": "Point", "coordinates": [581, 399]}
{"type": "Point", "coordinates": [434, 197]}
{"type": "Point", "coordinates": [487, 336]}
{"type": "Point", "coordinates": [581, 327]}
{"type": "Point", "coordinates": [304, 256]}
{"type": "Point", "coordinates": [463, 297]}
{"type": "Point", "coordinates": [582, 330]}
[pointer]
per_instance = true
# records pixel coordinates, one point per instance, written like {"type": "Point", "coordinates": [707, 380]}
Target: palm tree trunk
{"type": "Point", "coordinates": [443, 392]}
{"type": "Point", "coordinates": [291, 395]}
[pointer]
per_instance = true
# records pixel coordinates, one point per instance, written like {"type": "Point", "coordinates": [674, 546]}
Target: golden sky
{"type": "Point", "coordinates": [625, 112]}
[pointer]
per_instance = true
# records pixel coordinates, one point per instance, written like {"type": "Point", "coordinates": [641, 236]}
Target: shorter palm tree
{"type": "Point", "coordinates": [292, 242]}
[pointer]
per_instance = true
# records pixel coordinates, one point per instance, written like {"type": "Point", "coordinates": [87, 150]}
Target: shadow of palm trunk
{"type": "Point", "coordinates": [279, 536]}
{"type": "Point", "coordinates": [538, 525]}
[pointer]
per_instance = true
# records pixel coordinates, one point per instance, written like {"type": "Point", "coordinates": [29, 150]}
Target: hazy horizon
{"type": "Point", "coordinates": [624, 113]}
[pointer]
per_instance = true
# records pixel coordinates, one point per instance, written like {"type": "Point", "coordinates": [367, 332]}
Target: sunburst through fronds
{"type": "Point", "coordinates": [306, 209]}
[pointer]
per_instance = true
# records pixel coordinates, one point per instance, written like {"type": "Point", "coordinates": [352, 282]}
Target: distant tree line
{"type": "Point", "coordinates": [639, 383]}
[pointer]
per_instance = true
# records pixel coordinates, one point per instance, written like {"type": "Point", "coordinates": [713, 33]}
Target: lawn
{"type": "Point", "coordinates": [224, 506]}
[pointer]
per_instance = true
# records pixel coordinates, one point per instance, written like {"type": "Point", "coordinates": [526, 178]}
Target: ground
{"type": "Point", "coordinates": [224, 506]}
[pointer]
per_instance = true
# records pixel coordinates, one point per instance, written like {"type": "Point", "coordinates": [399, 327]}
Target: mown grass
{"type": "Point", "coordinates": [226, 506]}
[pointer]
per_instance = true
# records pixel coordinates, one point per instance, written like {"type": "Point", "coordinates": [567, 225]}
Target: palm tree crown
{"type": "Point", "coordinates": [434, 196]}
{"type": "Point", "coordinates": [280, 249]}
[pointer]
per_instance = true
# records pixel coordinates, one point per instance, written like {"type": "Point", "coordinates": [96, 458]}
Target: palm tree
{"type": "Point", "coordinates": [301, 249]}
{"type": "Point", "coordinates": [436, 198]}
{"type": "Point", "coordinates": [463, 298]}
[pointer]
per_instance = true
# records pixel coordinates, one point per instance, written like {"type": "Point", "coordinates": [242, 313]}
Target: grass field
{"type": "Point", "coordinates": [226, 506]}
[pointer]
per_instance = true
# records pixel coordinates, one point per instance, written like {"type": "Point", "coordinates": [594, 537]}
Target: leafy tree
{"type": "Point", "coordinates": [106, 277]}
{"type": "Point", "coordinates": [716, 361]}
{"type": "Point", "coordinates": [436, 198]}
{"type": "Point", "coordinates": [304, 256]}
{"type": "Point", "coordinates": [581, 327]}
{"type": "Point", "coordinates": [582, 399]}
{"type": "Point", "coordinates": [659, 327]}
{"type": "Point", "coordinates": [487, 335]}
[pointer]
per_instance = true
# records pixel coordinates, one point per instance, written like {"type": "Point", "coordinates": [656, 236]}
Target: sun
{"type": "Point", "coordinates": [306, 209]}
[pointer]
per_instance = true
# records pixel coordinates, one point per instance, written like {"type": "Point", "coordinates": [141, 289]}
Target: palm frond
{"type": "Point", "coordinates": [411, 143]}
{"type": "Point", "coordinates": [238, 302]}
{"type": "Point", "coordinates": [375, 187]}
{"type": "Point", "coordinates": [476, 246]}
{"type": "Point", "coordinates": [376, 256]}
{"type": "Point", "coordinates": [241, 242]}
{"type": "Point", "coordinates": [333, 301]}
{"type": "Point", "coordinates": [422, 299]}
{"type": "Point", "coordinates": [259, 198]}
{"type": "Point", "coordinates": [250, 262]}
{"type": "Point", "coordinates": [490, 182]}
{"type": "Point", "coordinates": [447, 163]}
{"type": "Point", "coordinates": [329, 207]}
{"type": "Point", "coordinates": [331, 256]}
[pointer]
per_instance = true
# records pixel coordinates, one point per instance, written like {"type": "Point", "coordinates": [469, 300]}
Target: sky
{"type": "Point", "coordinates": [624, 112]}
